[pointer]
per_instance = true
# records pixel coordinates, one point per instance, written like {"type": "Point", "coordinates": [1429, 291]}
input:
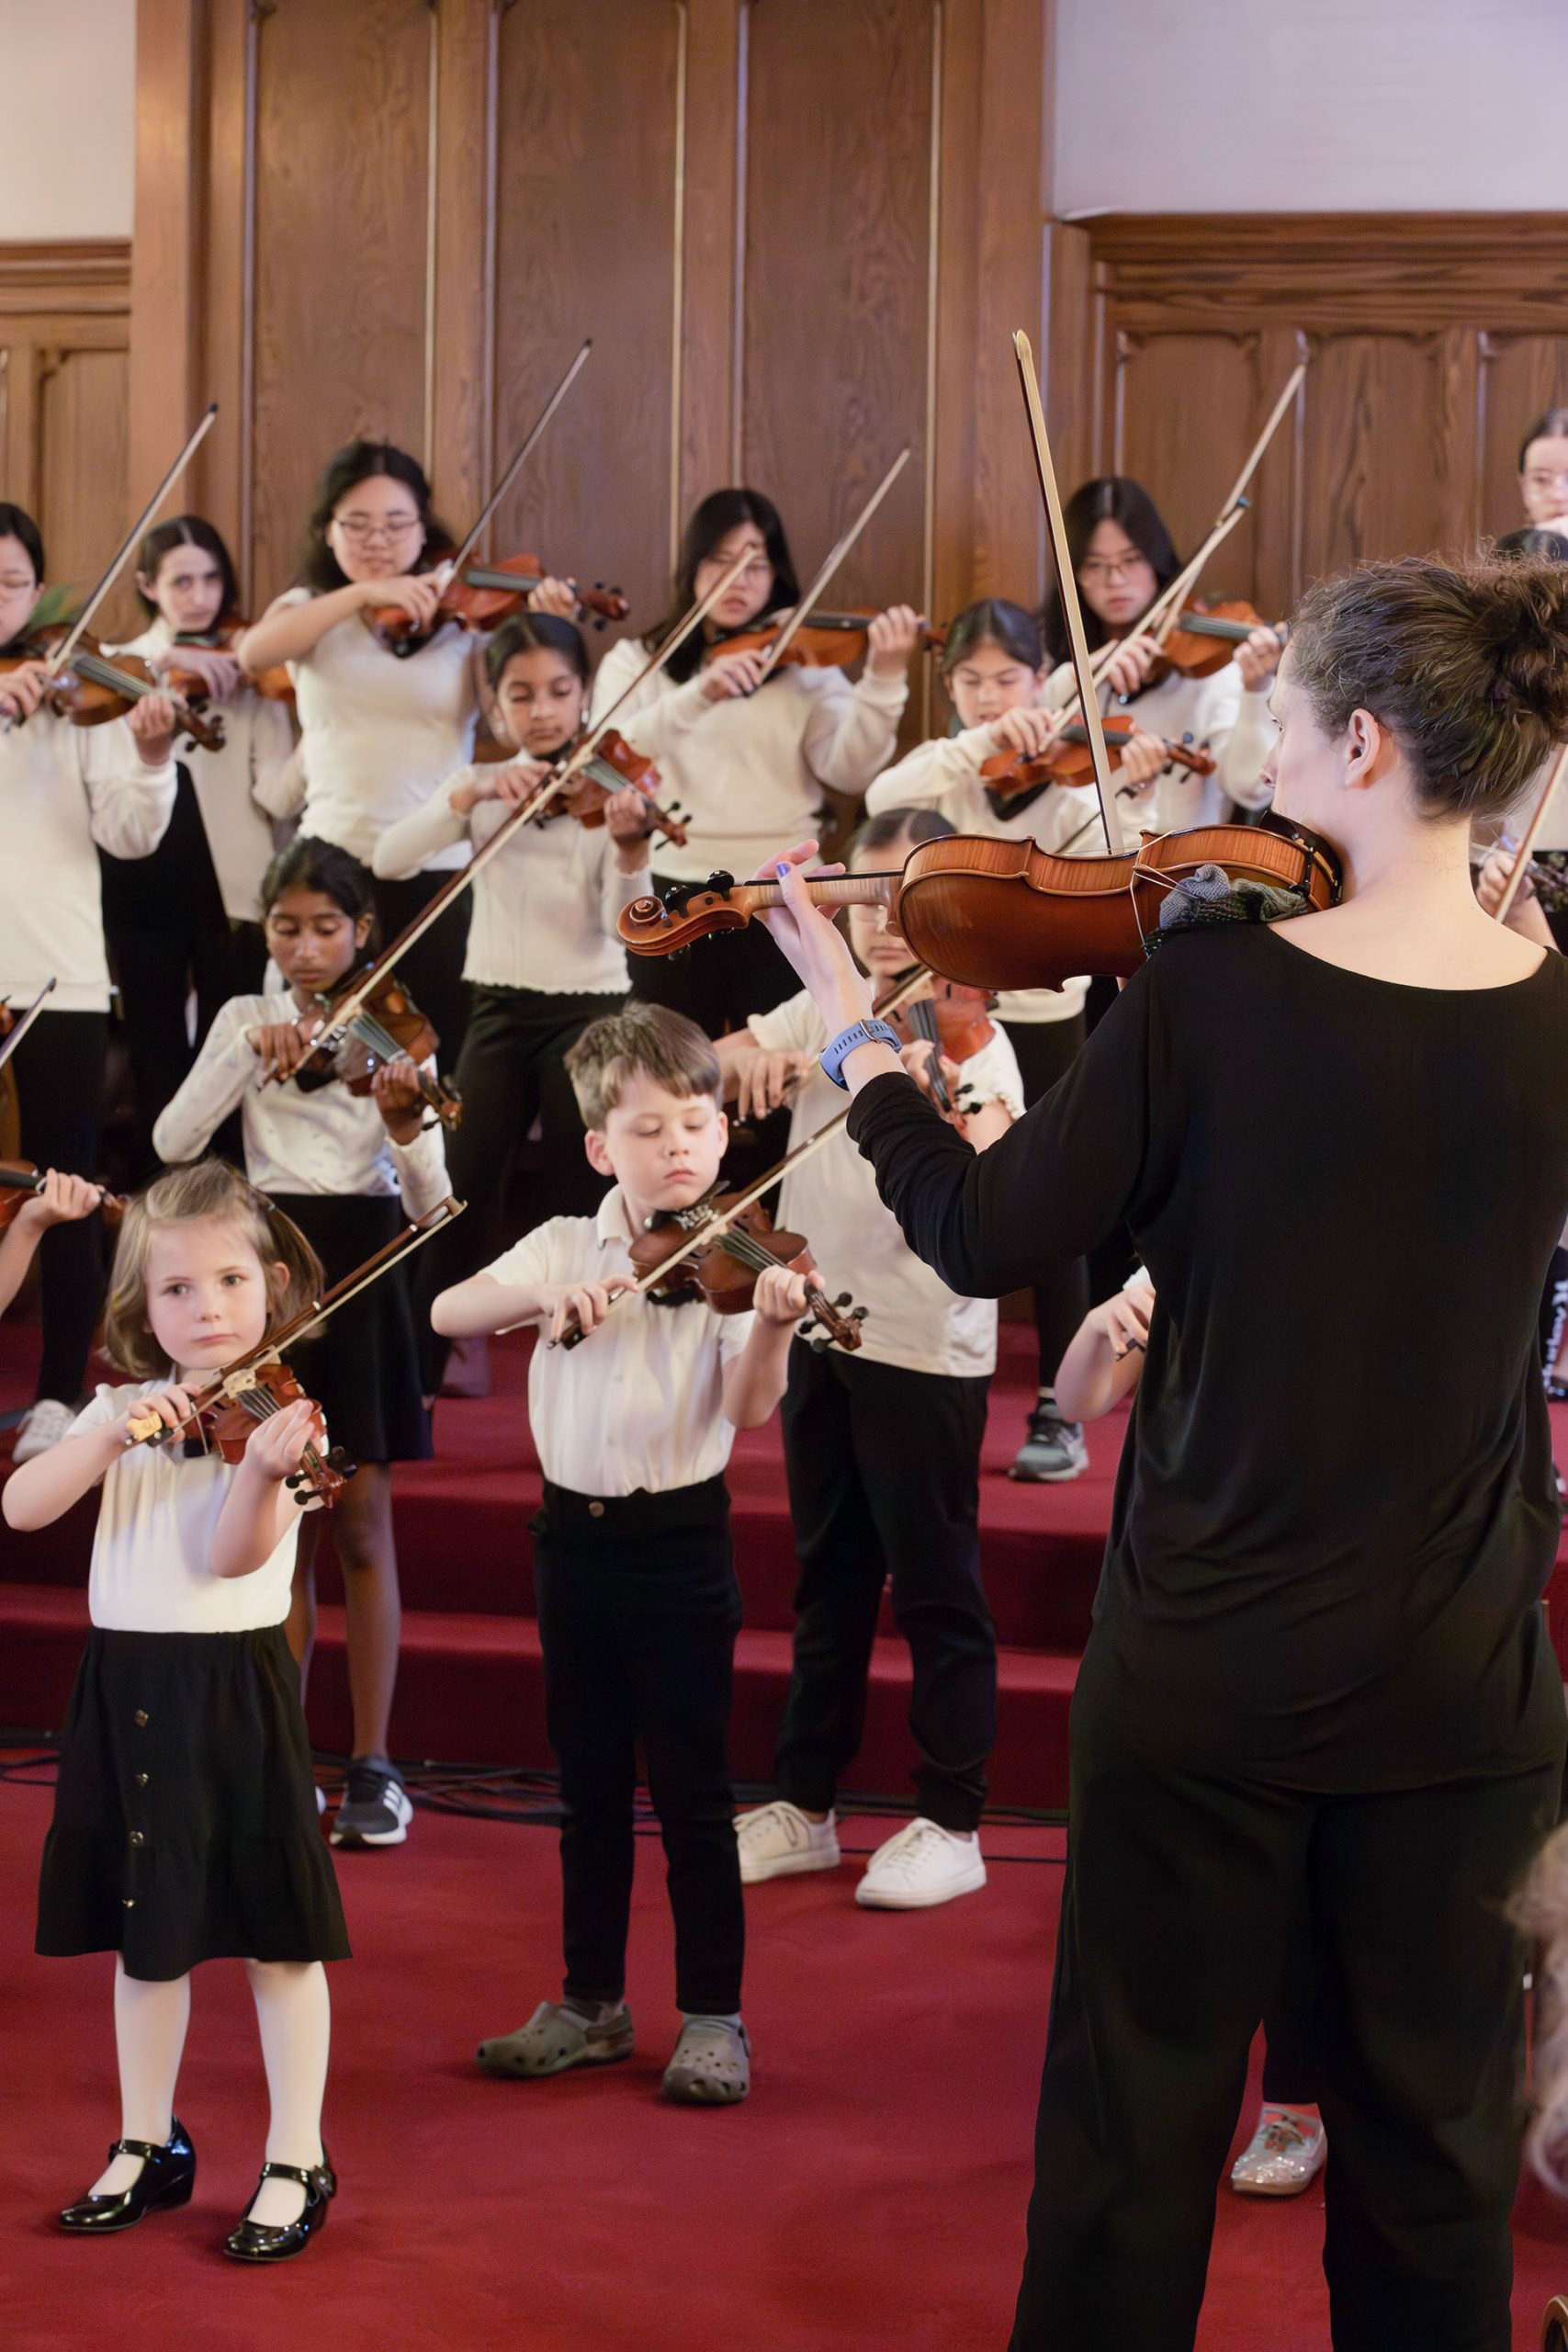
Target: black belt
{"type": "Point", "coordinates": [588, 1519]}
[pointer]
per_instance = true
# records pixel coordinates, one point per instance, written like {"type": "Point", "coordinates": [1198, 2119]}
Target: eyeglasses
{"type": "Point", "coordinates": [753, 566]}
{"type": "Point", "coordinates": [363, 527]}
{"type": "Point", "coordinates": [1551, 478]}
{"type": "Point", "coordinates": [1116, 567]}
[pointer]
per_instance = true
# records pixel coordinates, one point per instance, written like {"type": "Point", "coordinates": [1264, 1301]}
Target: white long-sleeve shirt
{"type": "Point", "coordinates": [65, 792]}
{"type": "Point", "coordinates": [1221, 716]}
{"type": "Point", "coordinates": [944, 774]}
{"type": "Point", "coordinates": [749, 772]}
{"type": "Point", "coordinates": [240, 790]}
{"type": "Point", "coordinates": [327, 1140]}
{"type": "Point", "coordinates": [544, 906]}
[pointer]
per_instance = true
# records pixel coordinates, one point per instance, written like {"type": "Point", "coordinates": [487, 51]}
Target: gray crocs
{"type": "Point", "coordinates": [556, 2037]}
{"type": "Point", "coordinates": [712, 2066]}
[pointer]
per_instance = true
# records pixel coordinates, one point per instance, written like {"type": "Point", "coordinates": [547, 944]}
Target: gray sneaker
{"type": "Point", "coordinates": [1054, 1449]}
{"type": "Point", "coordinates": [375, 1809]}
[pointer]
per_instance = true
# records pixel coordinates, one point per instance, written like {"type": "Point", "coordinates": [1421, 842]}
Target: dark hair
{"type": "Point", "coordinates": [920, 824]}
{"type": "Point", "coordinates": [1533, 541]}
{"type": "Point", "coordinates": [16, 523]}
{"type": "Point", "coordinates": [1553, 426]}
{"type": "Point", "coordinates": [711, 520]}
{"type": "Point", "coordinates": [994, 621]}
{"type": "Point", "coordinates": [535, 633]}
{"type": "Point", "coordinates": [187, 531]}
{"type": "Point", "coordinates": [1465, 662]}
{"type": "Point", "coordinates": [362, 461]}
{"type": "Point", "coordinates": [310, 865]}
{"type": "Point", "coordinates": [1109, 498]}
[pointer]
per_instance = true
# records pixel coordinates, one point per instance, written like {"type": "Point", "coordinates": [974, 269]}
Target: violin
{"type": "Point", "coordinates": [1007, 914]}
{"type": "Point", "coordinates": [724, 1269]}
{"type": "Point", "coordinates": [273, 685]}
{"type": "Point", "coordinates": [611, 766]}
{"type": "Point", "coordinates": [1203, 635]}
{"type": "Point", "coordinates": [223, 1421]}
{"type": "Point", "coordinates": [480, 596]}
{"type": "Point", "coordinates": [387, 1025]}
{"type": "Point", "coordinates": [1069, 760]}
{"type": "Point", "coordinates": [823, 640]}
{"type": "Point", "coordinates": [20, 1181]}
{"type": "Point", "coordinates": [956, 1021]}
{"type": "Point", "coordinates": [90, 689]}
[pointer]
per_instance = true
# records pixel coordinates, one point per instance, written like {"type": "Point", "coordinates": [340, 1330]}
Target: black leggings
{"type": "Point", "coordinates": [59, 1068]}
{"type": "Point", "coordinates": [1046, 1050]}
{"type": "Point", "coordinates": [431, 970]}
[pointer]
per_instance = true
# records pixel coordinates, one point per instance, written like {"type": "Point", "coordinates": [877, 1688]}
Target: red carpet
{"type": "Point", "coordinates": [869, 2198]}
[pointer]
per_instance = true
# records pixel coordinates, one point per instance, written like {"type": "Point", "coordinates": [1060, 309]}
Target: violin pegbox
{"type": "Point", "coordinates": [832, 1323]}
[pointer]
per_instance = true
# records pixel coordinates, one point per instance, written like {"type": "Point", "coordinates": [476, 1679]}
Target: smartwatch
{"type": "Point", "coordinates": [859, 1033]}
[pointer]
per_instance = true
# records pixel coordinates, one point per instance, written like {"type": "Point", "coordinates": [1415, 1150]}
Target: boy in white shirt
{"type": "Point", "coordinates": [637, 1603]}
{"type": "Point", "coordinates": [883, 1453]}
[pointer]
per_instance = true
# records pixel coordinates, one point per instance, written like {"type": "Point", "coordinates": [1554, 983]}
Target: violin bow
{"type": "Point", "coordinates": [22, 1023]}
{"type": "Point", "coordinates": [798, 619]}
{"type": "Point", "coordinates": [231, 1383]}
{"type": "Point", "coordinates": [1170, 599]}
{"type": "Point", "coordinates": [350, 1007]}
{"type": "Point", "coordinates": [1111, 816]}
{"type": "Point", "coordinates": [454, 563]}
{"type": "Point", "coordinates": [116, 563]}
{"type": "Point", "coordinates": [716, 1224]}
{"type": "Point", "coordinates": [1522, 856]}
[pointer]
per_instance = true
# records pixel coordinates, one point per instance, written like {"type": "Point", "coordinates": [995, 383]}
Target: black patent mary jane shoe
{"type": "Point", "coordinates": [260, 2242]}
{"type": "Point", "coordinates": [168, 2178]}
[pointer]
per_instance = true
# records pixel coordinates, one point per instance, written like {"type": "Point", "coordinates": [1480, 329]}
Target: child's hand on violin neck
{"type": "Point", "coordinates": [555, 596]}
{"type": "Point", "coordinates": [395, 1089]}
{"type": "Point", "coordinates": [891, 640]}
{"type": "Point", "coordinates": [1026, 729]}
{"type": "Point", "coordinates": [153, 722]}
{"type": "Point", "coordinates": [281, 1046]}
{"type": "Point", "coordinates": [780, 1296]}
{"type": "Point", "coordinates": [812, 940]}
{"type": "Point", "coordinates": [1257, 658]}
{"type": "Point", "coordinates": [23, 688]}
{"type": "Point", "coordinates": [584, 1304]}
{"type": "Point", "coordinates": [166, 1408]}
{"type": "Point", "coordinates": [629, 817]}
{"type": "Point", "coordinates": [1129, 666]}
{"type": "Point", "coordinates": [767, 1079]}
{"type": "Point", "coordinates": [63, 1201]}
{"type": "Point", "coordinates": [1144, 757]}
{"type": "Point", "coordinates": [276, 1446]}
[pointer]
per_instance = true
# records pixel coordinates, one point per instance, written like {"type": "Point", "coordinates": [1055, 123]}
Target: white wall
{"type": "Point", "coordinates": [1312, 106]}
{"type": "Point", "coordinates": [67, 150]}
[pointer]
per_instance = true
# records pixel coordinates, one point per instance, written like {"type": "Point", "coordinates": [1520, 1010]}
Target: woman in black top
{"type": "Point", "coordinates": [1318, 1669]}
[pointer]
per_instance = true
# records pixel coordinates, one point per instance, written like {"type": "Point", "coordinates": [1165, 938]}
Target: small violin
{"type": "Point", "coordinates": [20, 1181]}
{"type": "Point", "coordinates": [725, 1271]}
{"type": "Point", "coordinates": [388, 1025]}
{"type": "Point", "coordinates": [223, 1421]}
{"type": "Point", "coordinates": [1204, 637]}
{"type": "Point", "coordinates": [1070, 760]}
{"type": "Point", "coordinates": [273, 685]}
{"type": "Point", "coordinates": [90, 689]}
{"type": "Point", "coordinates": [956, 1021]}
{"type": "Point", "coordinates": [483, 596]}
{"type": "Point", "coordinates": [611, 768]}
{"type": "Point", "coordinates": [823, 640]}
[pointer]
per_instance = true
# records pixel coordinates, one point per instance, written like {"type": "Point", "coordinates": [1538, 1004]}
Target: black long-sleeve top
{"type": "Point", "coordinates": [1336, 1512]}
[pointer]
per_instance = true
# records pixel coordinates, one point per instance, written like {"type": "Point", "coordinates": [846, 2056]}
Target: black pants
{"type": "Point", "coordinates": [638, 1610]}
{"type": "Point", "coordinates": [719, 983]}
{"type": "Point", "coordinates": [512, 1070]}
{"type": "Point", "coordinates": [431, 970]}
{"type": "Point", "coordinates": [1181, 1888]}
{"type": "Point", "coordinates": [1046, 1050]}
{"type": "Point", "coordinates": [168, 935]}
{"type": "Point", "coordinates": [59, 1068]}
{"type": "Point", "coordinates": [1290, 2023]}
{"type": "Point", "coordinates": [1112, 1260]}
{"type": "Point", "coordinates": [884, 1480]}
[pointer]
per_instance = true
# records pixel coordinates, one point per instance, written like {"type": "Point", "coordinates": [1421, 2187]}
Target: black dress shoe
{"type": "Point", "coordinates": [168, 2178]}
{"type": "Point", "coordinates": [259, 2242]}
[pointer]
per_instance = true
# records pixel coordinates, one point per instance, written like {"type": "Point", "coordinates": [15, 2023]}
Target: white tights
{"type": "Point", "coordinates": [293, 2013]}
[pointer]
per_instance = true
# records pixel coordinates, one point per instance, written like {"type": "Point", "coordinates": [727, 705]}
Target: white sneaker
{"type": "Point", "coordinates": [924, 1864]}
{"type": "Point", "coordinates": [41, 1426]}
{"type": "Point", "coordinates": [778, 1840]}
{"type": "Point", "coordinates": [1284, 2155]}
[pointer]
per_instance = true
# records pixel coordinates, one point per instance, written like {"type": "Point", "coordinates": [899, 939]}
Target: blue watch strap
{"type": "Point", "coordinates": [859, 1033]}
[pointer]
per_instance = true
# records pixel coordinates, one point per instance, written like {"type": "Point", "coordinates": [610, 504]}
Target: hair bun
{"type": "Point", "coordinates": [1522, 631]}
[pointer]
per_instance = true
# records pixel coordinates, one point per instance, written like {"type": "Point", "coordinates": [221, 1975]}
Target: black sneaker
{"type": "Point", "coordinates": [1053, 1451]}
{"type": "Point", "coordinates": [375, 1809]}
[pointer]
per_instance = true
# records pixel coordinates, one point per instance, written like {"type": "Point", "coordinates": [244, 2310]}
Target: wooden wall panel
{"type": "Point", "coordinates": [1180, 403]}
{"type": "Point", "coordinates": [587, 235]}
{"type": "Point", "coordinates": [1521, 377]}
{"type": "Point", "coordinates": [342, 223]}
{"type": "Point", "coordinates": [837, 267]}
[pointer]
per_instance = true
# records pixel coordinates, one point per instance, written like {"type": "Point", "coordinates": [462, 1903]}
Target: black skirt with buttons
{"type": "Point", "coordinates": [361, 1368]}
{"type": "Point", "coordinates": [185, 1822]}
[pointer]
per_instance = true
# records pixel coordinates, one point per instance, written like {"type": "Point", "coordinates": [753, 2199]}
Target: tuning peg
{"type": "Point", "coordinates": [844, 1299]}
{"type": "Point", "coordinates": [859, 1315]}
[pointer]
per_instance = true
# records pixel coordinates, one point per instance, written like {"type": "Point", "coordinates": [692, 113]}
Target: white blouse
{"type": "Point", "coordinates": [1219, 714]}
{"type": "Point", "coordinates": [326, 1140]}
{"type": "Point", "coordinates": [379, 734]}
{"type": "Point", "coordinates": [159, 1512]}
{"type": "Point", "coordinates": [639, 1403]}
{"type": "Point", "coordinates": [749, 773]}
{"type": "Point", "coordinates": [65, 792]}
{"type": "Point", "coordinates": [912, 1318]}
{"type": "Point", "coordinates": [544, 906]}
{"type": "Point", "coordinates": [239, 789]}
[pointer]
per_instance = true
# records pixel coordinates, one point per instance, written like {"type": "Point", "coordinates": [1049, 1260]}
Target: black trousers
{"type": "Point", "coordinates": [638, 1610]}
{"type": "Point", "coordinates": [431, 970]}
{"type": "Point", "coordinates": [511, 1071]}
{"type": "Point", "coordinates": [1112, 1260]}
{"type": "Point", "coordinates": [1046, 1050]}
{"type": "Point", "coordinates": [883, 1469]}
{"type": "Point", "coordinates": [1181, 1888]}
{"type": "Point", "coordinates": [59, 1068]}
{"type": "Point", "coordinates": [719, 984]}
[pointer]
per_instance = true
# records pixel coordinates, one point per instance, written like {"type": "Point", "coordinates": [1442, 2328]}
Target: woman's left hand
{"type": "Point", "coordinates": [153, 721]}
{"type": "Point", "coordinates": [396, 1091]}
{"type": "Point", "coordinates": [812, 940]}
